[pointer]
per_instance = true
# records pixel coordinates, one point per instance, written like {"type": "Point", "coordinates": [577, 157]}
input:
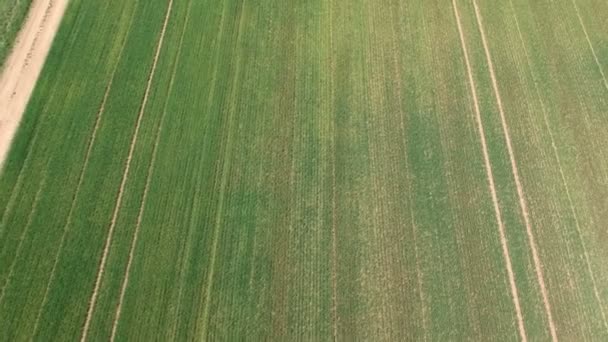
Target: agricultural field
{"type": "Point", "coordinates": [12, 14]}
{"type": "Point", "coordinates": [315, 170]}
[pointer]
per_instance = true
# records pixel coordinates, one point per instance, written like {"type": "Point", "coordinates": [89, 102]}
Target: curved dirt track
{"type": "Point", "coordinates": [23, 65]}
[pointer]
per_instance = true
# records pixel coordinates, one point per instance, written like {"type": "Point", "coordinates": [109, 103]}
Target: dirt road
{"type": "Point", "coordinates": [24, 64]}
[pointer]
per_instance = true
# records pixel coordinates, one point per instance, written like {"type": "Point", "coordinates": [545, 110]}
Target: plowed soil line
{"type": "Point", "coordinates": [24, 64]}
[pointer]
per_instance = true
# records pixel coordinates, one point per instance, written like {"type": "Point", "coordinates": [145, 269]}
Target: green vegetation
{"type": "Point", "coordinates": [12, 15]}
{"type": "Point", "coordinates": [310, 171]}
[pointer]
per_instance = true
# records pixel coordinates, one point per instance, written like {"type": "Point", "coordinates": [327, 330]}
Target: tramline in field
{"type": "Point", "coordinates": [320, 170]}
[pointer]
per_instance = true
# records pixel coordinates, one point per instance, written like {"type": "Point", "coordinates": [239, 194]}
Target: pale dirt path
{"type": "Point", "coordinates": [520, 190]}
{"type": "Point", "coordinates": [490, 176]}
{"type": "Point", "coordinates": [24, 64]}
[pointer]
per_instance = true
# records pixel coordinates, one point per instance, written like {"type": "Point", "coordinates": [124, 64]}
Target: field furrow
{"type": "Point", "coordinates": [310, 171]}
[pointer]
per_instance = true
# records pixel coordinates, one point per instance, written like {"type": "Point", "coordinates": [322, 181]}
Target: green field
{"type": "Point", "coordinates": [312, 170]}
{"type": "Point", "coordinates": [12, 15]}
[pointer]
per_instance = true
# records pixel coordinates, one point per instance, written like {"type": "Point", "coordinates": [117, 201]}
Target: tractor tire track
{"type": "Point", "coordinates": [490, 177]}
{"type": "Point", "coordinates": [561, 171]}
{"type": "Point", "coordinates": [90, 145]}
{"type": "Point", "coordinates": [149, 175]}
{"type": "Point", "coordinates": [125, 177]}
{"type": "Point", "coordinates": [520, 191]}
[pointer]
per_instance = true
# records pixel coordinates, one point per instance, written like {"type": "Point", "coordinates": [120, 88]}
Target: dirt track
{"type": "Point", "coordinates": [24, 64]}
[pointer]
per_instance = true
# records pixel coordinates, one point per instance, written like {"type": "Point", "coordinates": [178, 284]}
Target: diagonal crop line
{"type": "Point", "coordinates": [81, 175]}
{"type": "Point", "coordinates": [28, 223]}
{"type": "Point", "coordinates": [214, 82]}
{"type": "Point", "coordinates": [187, 252]}
{"type": "Point", "coordinates": [149, 175]}
{"type": "Point", "coordinates": [224, 179]}
{"type": "Point", "coordinates": [20, 177]}
{"type": "Point", "coordinates": [334, 238]}
{"type": "Point", "coordinates": [125, 177]}
{"type": "Point", "coordinates": [597, 61]}
{"type": "Point", "coordinates": [8, 23]}
{"type": "Point", "coordinates": [561, 171]}
{"type": "Point", "coordinates": [520, 191]}
{"type": "Point", "coordinates": [402, 126]}
{"type": "Point", "coordinates": [490, 177]}
{"type": "Point", "coordinates": [210, 96]}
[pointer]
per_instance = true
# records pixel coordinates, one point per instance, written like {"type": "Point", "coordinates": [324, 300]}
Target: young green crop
{"type": "Point", "coordinates": [12, 16]}
{"type": "Point", "coordinates": [307, 171]}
